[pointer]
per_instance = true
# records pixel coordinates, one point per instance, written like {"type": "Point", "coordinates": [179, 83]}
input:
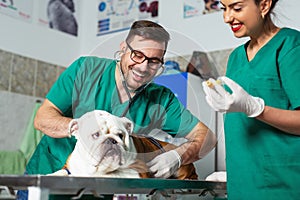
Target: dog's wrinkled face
{"type": "Point", "coordinates": [103, 139]}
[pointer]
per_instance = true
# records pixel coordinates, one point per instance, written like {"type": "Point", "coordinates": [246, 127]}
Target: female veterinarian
{"type": "Point", "coordinates": [262, 121]}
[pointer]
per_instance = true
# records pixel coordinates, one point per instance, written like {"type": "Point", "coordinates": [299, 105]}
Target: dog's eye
{"type": "Point", "coordinates": [121, 136]}
{"type": "Point", "coordinates": [95, 135]}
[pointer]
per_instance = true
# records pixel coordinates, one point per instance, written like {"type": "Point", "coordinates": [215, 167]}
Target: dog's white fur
{"type": "Point", "coordinates": [103, 148]}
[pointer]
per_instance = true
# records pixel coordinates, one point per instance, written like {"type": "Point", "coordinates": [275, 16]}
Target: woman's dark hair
{"type": "Point", "coordinates": [272, 6]}
{"type": "Point", "coordinates": [148, 30]}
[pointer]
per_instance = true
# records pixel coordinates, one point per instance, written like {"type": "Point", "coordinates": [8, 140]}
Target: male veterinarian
{"type": "Point", "coordinates": [122, 87]}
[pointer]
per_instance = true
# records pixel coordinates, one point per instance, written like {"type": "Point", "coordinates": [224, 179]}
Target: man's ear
{"type": "Point", "coordinates": [123, 46]}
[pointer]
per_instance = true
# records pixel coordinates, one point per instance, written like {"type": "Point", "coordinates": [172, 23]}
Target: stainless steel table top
{"type": "Point", "coordinates": [72, 185]}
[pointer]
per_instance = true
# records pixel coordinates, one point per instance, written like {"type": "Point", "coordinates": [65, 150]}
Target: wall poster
{"type": "Point", "coordinates": [193, 8]}
{"type": "Point", "coordinates": [20, 9]}
{"type": "Point", "coordinates": [59, 15]}
{"type": "Point", "coordinates": [118, 15]}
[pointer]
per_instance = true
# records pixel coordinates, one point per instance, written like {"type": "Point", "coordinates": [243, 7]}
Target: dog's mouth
{"type": "Point", "coordinates": [113, 152]}
{"type": "Point", "coordinates": [110, 155]}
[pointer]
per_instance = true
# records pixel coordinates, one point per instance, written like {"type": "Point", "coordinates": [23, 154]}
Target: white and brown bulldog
{"type": "Point", "coordinates": [106, 147]}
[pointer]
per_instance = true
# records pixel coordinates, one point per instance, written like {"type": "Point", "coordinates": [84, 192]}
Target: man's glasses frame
{"type": "Point", "coordinates": [139, 57]}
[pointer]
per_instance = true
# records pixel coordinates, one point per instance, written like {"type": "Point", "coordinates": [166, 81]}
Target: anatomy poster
{"type": "Point", "coordinates": [117, 15]}
{"type": "Point", "coordinates": [59, 15]}
{"type": "Point", "coordinates": [193, 8]}
{"type": "Point", "coordinates": [20, 9]}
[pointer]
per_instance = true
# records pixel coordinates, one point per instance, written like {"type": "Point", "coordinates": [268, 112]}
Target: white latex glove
{"type": "Point", "coordinates": [239, 101]}
{"type": "Point", "coordinates": [165, 164]}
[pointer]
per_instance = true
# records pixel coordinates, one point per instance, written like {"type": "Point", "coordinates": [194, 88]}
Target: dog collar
{"type": "Point", "coordinates": [67, 170]}
{"type": "Point", "coordinates": [156, 143]}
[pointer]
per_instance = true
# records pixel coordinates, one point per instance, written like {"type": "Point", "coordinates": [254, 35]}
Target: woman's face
{"type": "Point", "coordinates": [243, 16]}
{"type": "Point", "coordinates": [138, 74]}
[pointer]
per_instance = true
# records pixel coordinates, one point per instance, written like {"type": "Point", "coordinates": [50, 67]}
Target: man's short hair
{"type": "Point", "coordinates": [148, 30]}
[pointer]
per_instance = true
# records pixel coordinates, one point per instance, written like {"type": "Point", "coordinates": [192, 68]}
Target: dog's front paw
{"type": "Point", "coordinates": [61, 172]}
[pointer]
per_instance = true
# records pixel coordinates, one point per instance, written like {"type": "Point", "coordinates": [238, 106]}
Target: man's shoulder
{"type": "Point", "coordinates": [95, 60]}
{"type": "Point", "coordinates": [93, 64]}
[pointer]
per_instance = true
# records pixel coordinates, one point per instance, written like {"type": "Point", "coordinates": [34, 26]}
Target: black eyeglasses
{"type": "Point", "coordinates": [138, 57]}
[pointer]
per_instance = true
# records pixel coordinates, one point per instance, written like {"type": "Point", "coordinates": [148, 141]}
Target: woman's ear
{"type": "Point", "coordinates": [265, 6]}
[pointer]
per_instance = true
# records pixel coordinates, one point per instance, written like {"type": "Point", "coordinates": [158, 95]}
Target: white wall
{"type": "Point", "coordinates": [208, 31]}
{"type": "Point", "coordinates": [205, 32]}
{"type": "Point", "coordinates": [184, 36]}
{"type": "Point", "coordinates": [38, 42]}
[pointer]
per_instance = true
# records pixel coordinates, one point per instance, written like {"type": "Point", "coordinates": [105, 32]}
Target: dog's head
{"type": "Point", "coordinates": [104, 140]}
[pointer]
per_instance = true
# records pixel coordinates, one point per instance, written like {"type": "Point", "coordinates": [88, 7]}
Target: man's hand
{"type": "Point", "coordinates": [165, 165]}
{"type": "Point", "coordinates": [239, 101]}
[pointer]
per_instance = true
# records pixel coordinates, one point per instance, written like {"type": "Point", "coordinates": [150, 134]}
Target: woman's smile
{"type": "Point", "coordinates": [236, 27]}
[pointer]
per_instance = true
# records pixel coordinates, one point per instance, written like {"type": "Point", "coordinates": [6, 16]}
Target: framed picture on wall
{"type": "Point", "coordinates": [118, 15]}
{"type": "Point", "coordinates": [201, 66]}
{"type": "Point", "coordinates": [21, 10]}
{"type": "Point", "coordinates": [59, 15]}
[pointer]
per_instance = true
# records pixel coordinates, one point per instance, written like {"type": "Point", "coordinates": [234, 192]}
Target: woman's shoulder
{"type": "Point", "coordinates": [286, 41]}
{"type": "Point", "coordinates": [289, 35]}
{"type": "Point", "coordinates": [238, 51]}
{"type": "Point", "coordinates": [290, 31]}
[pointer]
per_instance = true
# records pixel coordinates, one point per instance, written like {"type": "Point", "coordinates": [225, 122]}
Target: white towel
{"type": "Point", "coordinates": [217, 176]}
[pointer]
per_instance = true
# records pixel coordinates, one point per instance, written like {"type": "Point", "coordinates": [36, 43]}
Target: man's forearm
{"type": "Point", "coordinates": [200, 142]}
{"type": "Point", "coordinates": [50, 121]}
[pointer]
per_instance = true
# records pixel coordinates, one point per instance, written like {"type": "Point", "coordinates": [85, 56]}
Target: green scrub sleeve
{"type": "Point", "coordinates": [61, 92]}
{"type": "Point", "coordinates": [290, 74]}
{"type": "Point", "coordinates": [179, 118]}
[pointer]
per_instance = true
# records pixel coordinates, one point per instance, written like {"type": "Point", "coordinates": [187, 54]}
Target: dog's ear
{"type": "Point", "coordinates": [73, 128]}
{"type": "Point", "coordinates": [129, 127]}
{"type": "Point", "coordinates": [128, 124]}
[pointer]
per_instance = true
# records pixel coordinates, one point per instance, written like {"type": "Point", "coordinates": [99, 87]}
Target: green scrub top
{"type": "Point", "coordinates": [263, 162]}
{"type": "Point", "coordinates": [89, 84]}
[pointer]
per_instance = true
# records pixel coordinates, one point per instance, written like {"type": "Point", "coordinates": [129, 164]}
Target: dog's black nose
{"type": "Point", "coordinates": [111, 141]}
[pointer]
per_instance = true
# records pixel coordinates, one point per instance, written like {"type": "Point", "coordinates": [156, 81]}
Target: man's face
{"type": "Point", "coordinates": [138, 74]}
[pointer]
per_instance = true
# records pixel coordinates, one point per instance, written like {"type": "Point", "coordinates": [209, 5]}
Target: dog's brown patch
{"type": "Point", "coordinates": [147, 151]}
